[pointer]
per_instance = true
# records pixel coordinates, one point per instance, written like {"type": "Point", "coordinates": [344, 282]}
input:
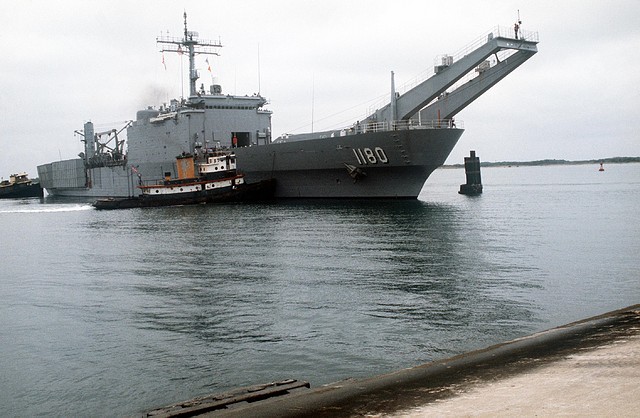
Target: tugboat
{"type": "Point", "coordinates": [217, 180]}
{"type": "Point", "coordinates": [20, 185]}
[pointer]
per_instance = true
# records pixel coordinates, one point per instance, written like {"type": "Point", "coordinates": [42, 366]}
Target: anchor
{"type": "Point", "coordinates": [355, 172]}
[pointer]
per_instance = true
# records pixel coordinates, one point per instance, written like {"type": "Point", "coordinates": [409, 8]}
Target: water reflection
{"type": "Point", "coordinates": [319, 290]}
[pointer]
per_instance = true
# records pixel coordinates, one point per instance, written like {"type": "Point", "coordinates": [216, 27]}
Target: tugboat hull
{"type": "Point", "coordinates": [20, 186]}
{"type": "Point", "coordinates": [262, 190]}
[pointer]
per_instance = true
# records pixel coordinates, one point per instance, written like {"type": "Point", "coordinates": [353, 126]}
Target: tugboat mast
{"type": "Point", "coordinates": [193, 46]}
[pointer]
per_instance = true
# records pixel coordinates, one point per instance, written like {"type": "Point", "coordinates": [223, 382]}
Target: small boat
{"type": "Point", "coordinates": [20, 185]}
{"type": "Point", "coordinates": [216, 181]}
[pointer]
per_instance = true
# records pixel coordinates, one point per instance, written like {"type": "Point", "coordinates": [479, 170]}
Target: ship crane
{"type": "Point", "coordinates": [98, 147]}
{"type": "Point", "coordinates": [193, 46]}
{"type": "Point", "coordinates": [103, 145]}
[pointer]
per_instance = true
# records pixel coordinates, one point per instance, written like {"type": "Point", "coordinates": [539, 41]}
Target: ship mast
{"type": "Point", "coordinates": [193, 46]}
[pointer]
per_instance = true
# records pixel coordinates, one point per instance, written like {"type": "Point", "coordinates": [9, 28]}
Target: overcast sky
{"type": "Point", "coordinates": [67, 62]}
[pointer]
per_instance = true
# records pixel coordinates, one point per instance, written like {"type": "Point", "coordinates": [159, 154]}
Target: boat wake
{"type": "Point", "coordinates": [49, 209]}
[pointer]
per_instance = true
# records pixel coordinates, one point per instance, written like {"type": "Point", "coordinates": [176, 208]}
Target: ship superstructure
{"type": "Point", "coordinates": [389, 153]}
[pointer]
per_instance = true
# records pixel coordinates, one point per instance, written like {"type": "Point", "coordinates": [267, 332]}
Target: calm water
{"type": "Point", "coordinates": [112, 313]}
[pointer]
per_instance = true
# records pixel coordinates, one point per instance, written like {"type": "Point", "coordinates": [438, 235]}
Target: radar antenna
{"type": "Point", "coordinates": [194, 46]}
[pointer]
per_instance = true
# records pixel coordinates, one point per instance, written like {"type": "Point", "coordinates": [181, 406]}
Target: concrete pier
{"type": "Point", "coordinates": [586, 368]}
{"type": "Point", "coordinates": [594, 382]}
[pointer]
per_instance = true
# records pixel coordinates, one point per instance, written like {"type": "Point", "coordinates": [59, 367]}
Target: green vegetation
{"type": "Point", "coordinates": [614, 160]}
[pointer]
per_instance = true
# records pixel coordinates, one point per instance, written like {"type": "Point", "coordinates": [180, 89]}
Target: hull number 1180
{"type": "Point", "coordinates": [370, 156]}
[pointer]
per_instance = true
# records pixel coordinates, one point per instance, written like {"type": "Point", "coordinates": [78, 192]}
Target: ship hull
{"type": "Point", "coordinates": [393, 164]}
{"type": "Point", "coordinates": [21, 190]}
{"type": "Point", "coordinates": [389, 164]}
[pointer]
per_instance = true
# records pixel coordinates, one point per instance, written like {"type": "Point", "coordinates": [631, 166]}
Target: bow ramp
{"type": "Point", "coordinates": [461, 78]}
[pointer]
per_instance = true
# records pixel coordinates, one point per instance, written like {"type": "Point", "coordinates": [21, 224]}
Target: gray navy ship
{"type": "Point", "coordinates": [389, 154]}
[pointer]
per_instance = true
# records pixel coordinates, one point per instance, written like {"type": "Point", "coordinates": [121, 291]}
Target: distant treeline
{"type": "Point", "coordinates": [614, 160]}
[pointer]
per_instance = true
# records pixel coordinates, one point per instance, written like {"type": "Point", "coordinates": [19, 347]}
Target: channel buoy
{"type": "Point", "coordinates": [601, 167]}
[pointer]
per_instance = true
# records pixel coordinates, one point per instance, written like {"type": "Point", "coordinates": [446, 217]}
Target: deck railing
{"type": "Point", "coordinates": [402, 125]}
{"type": "Point", "coordinates": [361, 128]}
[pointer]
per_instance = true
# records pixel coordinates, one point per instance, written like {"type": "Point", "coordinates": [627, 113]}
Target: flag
{"type": "Point", "coordinates": [179, 50]}
{"type": "Point", "coordinates": [164, 63]}
{"type": "Point", "coordinates": [208, 65]}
